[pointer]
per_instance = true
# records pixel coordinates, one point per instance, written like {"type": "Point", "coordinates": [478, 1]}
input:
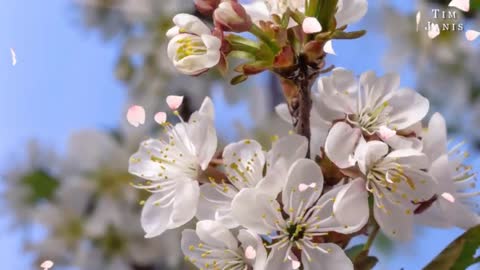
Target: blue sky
{"type": "Point", "coordinates": [64, 81]}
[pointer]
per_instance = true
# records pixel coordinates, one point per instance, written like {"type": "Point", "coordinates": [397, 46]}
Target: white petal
{"type": "Point", "coordinates": [207, 108]}
{"type": "Point", "coordinates": [190, 24]}
{"type": "Point", "coordinates": [350, 11]}
{"type": "Point", "coordinates": [408, 108]}
{"type": "Point", "coordinates": [418, 18]}
{"type": "Point", "coordinates": [395, 220]}
{"type": "Point", "coordinates": [216, 205]}
{"type": "Point", "coordinates": [244, 162]}
{"type": "Point", "coordinates": [174, 102]}
{"type": "Point", "coordinates": [277, 259]}
{"type": "Point", "coordinates": [340, 144]}
{"type": "Point", "coordinates": [136, 115]}
{"type": "Point", "coordinates": [398, 142]}
{"type": "Point", "coordinates": [286, 151]}
{"type": "Point", "coordinates": [155, 219]}
{"type": "Point", "coordinates": [463, 5]}
{"type": "Point", "coordinates": [186, 201]}
{"type": "Point", "coordinates": [283, 112]}
{"type": "Point", "coordinates": [160, 118]}
{"type": "Point", "coordinates": [306, 172]}
{"type": "Point", "coordinates": [173, 32]}
{"type": "Point", "coordinates": [433, 31]}
{"type": "Point", "coordinates": [251, 241]}
{"type": "Point", "coordinates": [411, 157]}
{"type": "Point", "coordinates": [471, 35]}
{"type": "Point", "coordinates": [311, 25]}
{"type": "Point", "coordinates": [216, 234]}
{"type": "Point", "coordinates": [333, 258]}
{"type": "Point", "coordinates": [256, 211]}
{"type": "Point", "coordinates": [351, 206]}
{"type": "Point", "coordinates": [202, 134]}
{"type": "Point", "coordinates": [367, 154]}
{"type": "Point", "coordinates": [328, 48]}
{"type": "Point", "coordinates": [435, 139]}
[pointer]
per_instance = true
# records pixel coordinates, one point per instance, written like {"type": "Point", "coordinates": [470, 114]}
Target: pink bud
{"type": "Point", "coordinates": [232, 17]}
{"type": "Point", "coordinates": [206, 7]}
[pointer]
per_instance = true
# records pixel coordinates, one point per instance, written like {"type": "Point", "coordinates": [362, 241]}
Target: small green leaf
{"type": "Point", "coordinates": [459, 255]}
{"type": "Point", "coordinates": [238, 79]}
{"type": "Point", "coordinates": [348, 35]}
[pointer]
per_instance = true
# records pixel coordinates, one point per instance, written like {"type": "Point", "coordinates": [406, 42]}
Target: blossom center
{"type": "Point", "coordinates": [296, 232]}
{"type": "Point", "coordinates": [190, 45]}
{"type": "Point", "coordinates": [370, 120]}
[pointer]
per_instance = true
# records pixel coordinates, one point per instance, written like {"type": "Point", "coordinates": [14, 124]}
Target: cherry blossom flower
{"type": "Point", "coordinates": [453, 206]}
{"type": "Point", "coordinates": [397, 180]}
{"type": "Point", "coordinates": [213, 246]}
{"type": "Point", "coordinates": [244, 166]}
{"type": "Point", "coordinates": [172, 167]}
{"type": "Point", "coordinates": [192, 48]}
{"type": "Point", "coordinates": [306, 216]}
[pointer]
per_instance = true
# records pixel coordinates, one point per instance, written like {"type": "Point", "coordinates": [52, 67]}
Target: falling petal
{"type": "Point", "coordinates": [303, 187]}
{"type": "Point", "coordinates": [419, 17]}
{"type": "Point", "coordinates": [46, 265]}
{"type": "Point", "coordinates": [14, 57]}
{"type": "Point", "coordinates": [328, 48]}
{"type": "Point", "coordinates": [386, 133]}
{"type": "Point", "coordinates": [174, 102]}
{"type": "Point", "coordinates": [295, 264]}
{"type": "Point", "coordinates": [472, 35]}
{"type": "Point", "coordinates": [160, 117]}
{"type": "Point", "coordinates": [463, 5]}
{"type": "Point", "coordinates": [434, 31]}
{"type": "Point", "coordinates": [311, 25]}
{"type": "Point", "coordinates": [449, 197]}
{"type": "Point", "coordinates": [136, 115]}
{"type": "Point", "coordinates": [250, 253]}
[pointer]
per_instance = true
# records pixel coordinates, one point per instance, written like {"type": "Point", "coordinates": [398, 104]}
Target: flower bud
{"type": "Point", "coordinates": [192, 48]}
{"type": "Point", "coordinates": [232, 17]}
{"type": "Point", "coordinates": [206, 7]}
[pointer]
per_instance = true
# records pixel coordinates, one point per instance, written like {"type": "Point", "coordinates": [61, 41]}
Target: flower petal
{"type": "Point", "coordinates": [277, 259]}
{"type": "Point", "coordinates": [351, 206]}
{"type": "Point", "coordinates": [244, 162]}
{"type": "Point", "coordinates": [190, 24]}
{"type": "Point", "coordinates": [311, 25]}
{"type": "Point", "coordinates": [136, 115]}
{"type": "Point", "coordinates": [174, 102]}
{"type": "Point", "coordinates": [160, 118]}
{"type": "Point", "coordinates": [350, 11]}
{"type": "Point", "coordinates": [329, 257]}
{"type": "Point", "coordinates": [472, 35]}
{"type": "Point", "coordinates": [408, 108]}
{"type": "Point", "coordinates": [303, 172]}
{"type": "Point", "coordinates": [340, 144]}
{"type": "Point", "coordinates": [250, 240]}
{"type": "Point", "coordinates": [216, 205]}
{"type": "Point", "coordinates": [285, 152]}
{"type": "Point", "coordinates": [463, 5]}
{"type": "Point", "coordinates": [216, 234]}
{"type": "Point", "coordinates": [328, 48]}
{"type": "Point", "coordinates": [395, 220]}
{"type": "Point", "coordinates": [435, 139]}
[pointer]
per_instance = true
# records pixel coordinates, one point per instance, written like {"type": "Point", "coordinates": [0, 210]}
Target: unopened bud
{"type": "Point", "coordinates": [232, 17]}
{"type": "Point", "coordinates": [206, 7]}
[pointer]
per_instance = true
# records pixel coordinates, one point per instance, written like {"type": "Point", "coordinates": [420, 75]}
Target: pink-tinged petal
{"type": "Point", "coordinates": [471, 35]}
{"type": "Point", "coordinates": [46, 265]}
{"type": "Point", "coordinates": [463, 5]}
{"type": "Point", "coordinates": [434, 31]}
{"type": "Point", "coordinates": [136, 115]}
{"type": "Point", "coordinates": [250, 253]}
{"type": "Point", "coordinates": [295, 264]}
{"type": "Point", "coordinates": [449, 197]}
{"type": "Point", "coordinates": [303, 187]}
{"type": "Point", "coordinates": [160, 117]}
{"type": "Point", "coordinates": [311, 25]}
{"type": "Point", "coordinates": [328, 48]}
{"type": "Point", "coordinates": [174, 102]}
{"type": "Point", "coordinates": [386, 133]}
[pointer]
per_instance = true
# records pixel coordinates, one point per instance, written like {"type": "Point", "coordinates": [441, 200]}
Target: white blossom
{"type": "Point", "coordinates": [306, 215]}
{"type": "Point", "coordinates": [454, 205]}
{"type": "Point", "coordinates": [244, 167]}
{"type": "Point", "coordinates": [172, 167]}
{"type": "Point", "coordinates": [213, 246]}
{"type": "Point", "coordinates": [192, 48]}
{"type": "Point", "coordinates": [397, 179]}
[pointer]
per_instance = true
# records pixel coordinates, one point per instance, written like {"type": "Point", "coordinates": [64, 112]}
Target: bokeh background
{"type": "Point", "coordinates": [65, 143]}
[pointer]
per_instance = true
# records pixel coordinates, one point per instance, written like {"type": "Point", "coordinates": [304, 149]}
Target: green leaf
{"type": "Point", "coordinates": [348, 35]}
{"type": "Point", "coordinates": [459, 255]}
{"type": "Point", "coordinates": [360, 258]}
{"type": "Point", "coordinates": [238, 79]}
{"type": "Point", "coordinates": [41, 185]}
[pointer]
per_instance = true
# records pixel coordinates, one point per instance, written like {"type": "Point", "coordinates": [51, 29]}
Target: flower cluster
{"type": "Point", "coordinates": [369, 144]}
{"type": "Point", "coordinates": [359, 159]}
